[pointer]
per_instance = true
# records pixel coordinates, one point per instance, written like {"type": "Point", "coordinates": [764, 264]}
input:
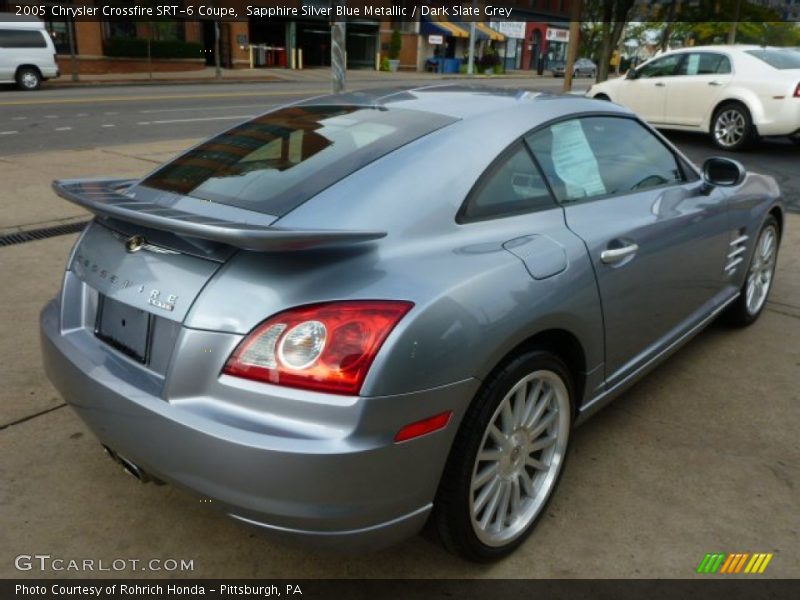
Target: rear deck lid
{"type": "Point", "coordinates": [130, 270]}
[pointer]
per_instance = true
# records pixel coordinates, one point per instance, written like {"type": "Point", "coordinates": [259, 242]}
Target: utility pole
{"type": "Point", "coordinates": [574, 42]}
{"type": "Point", "coordinates": [338, 48]}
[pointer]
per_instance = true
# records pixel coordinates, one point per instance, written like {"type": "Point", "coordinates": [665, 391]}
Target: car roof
{"type": "Point", "coordinates": [14, 21]}
{"type": "Point", "coordinates": [734, 48]}
{"type": "Point", "coordinates": [467, 102]}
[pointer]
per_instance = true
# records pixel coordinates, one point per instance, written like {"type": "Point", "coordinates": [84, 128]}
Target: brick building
{"type": "Point", "coordinates": [119, 46]}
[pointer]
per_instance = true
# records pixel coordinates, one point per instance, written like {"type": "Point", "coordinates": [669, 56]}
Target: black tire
{"type": "Point", "coordinates": [451, 519]}
{"type": "Point", "coordinates": [28, 79]}
{"type": "Point", "coordinates": [738, 314]}
{"type": "Point", "coordinates": [602, 97]}
{"type": "Point", "coordinates": [748, 135]}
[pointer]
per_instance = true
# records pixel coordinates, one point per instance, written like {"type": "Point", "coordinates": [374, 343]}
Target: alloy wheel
{"type": "Point", "coordinates": [730, 127]}
{"type": "Point", "coordinates": [762, 268]}
{"type": "Point", "coordinates": [519, 458]}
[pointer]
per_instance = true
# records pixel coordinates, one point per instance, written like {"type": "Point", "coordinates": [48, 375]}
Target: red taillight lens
{"type": "Point", "coordinates": [325, 347]}
{"type": "Point", "coordinates": [797, 91]}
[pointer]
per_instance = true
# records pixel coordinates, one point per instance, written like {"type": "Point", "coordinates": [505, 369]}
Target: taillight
{"type": "Point", "coordinates": [325, 347]}
{"type": "Point", "coordinates": [797, 91]}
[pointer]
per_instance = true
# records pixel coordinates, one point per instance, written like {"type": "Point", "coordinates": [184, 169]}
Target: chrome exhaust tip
{"type": "Point", "coordinates": [132, 468]}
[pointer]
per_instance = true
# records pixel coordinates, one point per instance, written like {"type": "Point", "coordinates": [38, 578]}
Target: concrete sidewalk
{"type": "Point", "coordinates": [316, 74]}
{"type": "Point", "coordinates": [702, 456]}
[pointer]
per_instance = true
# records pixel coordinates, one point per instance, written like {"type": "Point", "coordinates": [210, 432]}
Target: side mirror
{"type": "Point", "coordinates": [723, 172]}
{"type": "Point", "coordinates": [631, 74]}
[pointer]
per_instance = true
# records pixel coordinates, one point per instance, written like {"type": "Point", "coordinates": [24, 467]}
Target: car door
{"type": "Point", "coordinates": [646, 92]}
{"type": "Point", "coordinates": [657, 237]}
{"type": "Point", "coordinates": [696, 88]}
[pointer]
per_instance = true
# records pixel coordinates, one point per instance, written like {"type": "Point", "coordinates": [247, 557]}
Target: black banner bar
{"type": "Point", "coordinates": [712, 588]}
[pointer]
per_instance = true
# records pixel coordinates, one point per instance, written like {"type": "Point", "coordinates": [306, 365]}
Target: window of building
{"type": "Point", "coordinates": [119, 29]}
{"type": "Point", "coordinates": [59, 30]}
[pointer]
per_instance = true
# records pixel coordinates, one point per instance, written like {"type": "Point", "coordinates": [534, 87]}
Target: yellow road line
{"type": "Point", "coordinates": [89, 100]}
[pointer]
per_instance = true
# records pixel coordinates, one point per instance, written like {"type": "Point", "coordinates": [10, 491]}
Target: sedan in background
{"type": "Point", "coordinates": [306, 322]}
{"type": "Point", "coordinates": [736, 94]}
{"type": "Point", "coordinates": [583, 67]}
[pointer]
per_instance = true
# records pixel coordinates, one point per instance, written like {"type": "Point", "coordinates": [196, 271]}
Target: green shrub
{"type": "Point", "coordinates": [395, 45]}
{"type": "Point", "coordinates": [385, 64]}
{"type": "Point", "coordinates": [137, 48]}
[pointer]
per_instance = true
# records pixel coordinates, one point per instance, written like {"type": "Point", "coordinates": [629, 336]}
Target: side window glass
{"type": "Point", "coordinates": [599, 156]}
{"type": "Point", "coordinates": [660, 67]}
{"type": "Point", "coordinates": [511, 186]}
{"type": "Point", "coordinates": [705, 63]}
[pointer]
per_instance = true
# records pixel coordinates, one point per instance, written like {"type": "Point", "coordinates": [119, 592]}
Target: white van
{"type": "Point", "coordinates": [27, 54]}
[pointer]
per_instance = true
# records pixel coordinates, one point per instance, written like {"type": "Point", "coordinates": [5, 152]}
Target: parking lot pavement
{"type": "Point", "coordinates": [701, 456]}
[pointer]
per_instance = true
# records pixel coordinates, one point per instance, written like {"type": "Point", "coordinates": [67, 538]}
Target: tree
{"type": "Point", "coordinates": [615, 17]}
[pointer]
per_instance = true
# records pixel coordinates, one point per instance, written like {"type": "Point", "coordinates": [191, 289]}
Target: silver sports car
{"type": "Point", "coordinates": [359, 314]}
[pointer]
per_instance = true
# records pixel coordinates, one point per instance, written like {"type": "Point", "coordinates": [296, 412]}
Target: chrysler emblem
{"type": "Point", "coordinates": [134, 243]}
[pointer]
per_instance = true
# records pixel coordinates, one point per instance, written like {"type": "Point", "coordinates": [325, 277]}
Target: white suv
{"type": "Point", "coordinates": [27, 54]}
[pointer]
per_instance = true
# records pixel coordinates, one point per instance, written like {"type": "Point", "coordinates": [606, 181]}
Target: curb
{"type": "Point", "coordinates": [121, 82]}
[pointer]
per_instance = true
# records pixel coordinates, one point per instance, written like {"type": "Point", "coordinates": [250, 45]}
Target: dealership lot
{"type": "Point", "coordinates": [701, 456]}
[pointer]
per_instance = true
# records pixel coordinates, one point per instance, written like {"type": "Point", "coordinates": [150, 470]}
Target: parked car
{"type": "Point", "coordinates": [305, 322]}
{"type": "Point", "coordinates": [583, 67]}
{"type": "Point", "coordinates": [734, 93]}
{"type": "Point", "coordinates": [27, 54]}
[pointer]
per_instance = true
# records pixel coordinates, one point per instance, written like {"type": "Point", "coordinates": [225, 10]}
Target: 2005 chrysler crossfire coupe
{"type": "Point", "coordinates": [360, 313]}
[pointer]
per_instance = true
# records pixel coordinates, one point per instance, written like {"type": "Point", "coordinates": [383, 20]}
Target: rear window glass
{"type": "Point", "coordinates": [276, 162]}
{"type": "Point", "coordinates": [780, 59]}
{"type": "Point", "coordinates": [21, 38]}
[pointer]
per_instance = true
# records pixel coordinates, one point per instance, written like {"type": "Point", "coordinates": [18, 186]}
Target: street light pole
{"type": "Point", "coordinates": [217, 49]}
{"type": "Point", "coordinates": [73, 59]}
{"type": "Point", "coordinates": [471, 60]}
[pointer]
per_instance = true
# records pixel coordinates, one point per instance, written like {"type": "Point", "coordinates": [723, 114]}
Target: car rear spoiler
{"type": "Point", "coordinates": [105, 198]}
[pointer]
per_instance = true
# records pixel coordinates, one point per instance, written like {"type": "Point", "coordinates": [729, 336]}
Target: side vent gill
{"type": "Point", "coordinates": [736, 255]}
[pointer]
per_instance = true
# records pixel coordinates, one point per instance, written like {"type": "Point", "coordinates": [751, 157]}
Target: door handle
{"type": "Point", "coordinates": [615, 255]}
{"type": "Point", "coordinates": [714, 83]}
{"type": "Point", "coordinates": [659, 84]}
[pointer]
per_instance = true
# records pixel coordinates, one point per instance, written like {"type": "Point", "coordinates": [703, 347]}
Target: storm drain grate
{"type": "Point", "coordinates": [20, 237]}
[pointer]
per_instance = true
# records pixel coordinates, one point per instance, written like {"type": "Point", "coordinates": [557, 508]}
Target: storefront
{"type": "Point", "coordinates": [514, 32]}
{"type": "Point", "coordinates": [275, 38]}
{"type": "Point", "coordinates": [544, 44]}
{"type": "Point", "coordinates": [452, 42]}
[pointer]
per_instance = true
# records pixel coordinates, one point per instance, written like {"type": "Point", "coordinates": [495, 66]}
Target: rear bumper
{"type": "Point", "coordinates": [347, 487]}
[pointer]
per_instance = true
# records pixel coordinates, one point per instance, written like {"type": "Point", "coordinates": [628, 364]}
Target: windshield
{"type": "Point", "coordinates": [276, 162]}
{"type": "Point", "coordinates": [780, 59]}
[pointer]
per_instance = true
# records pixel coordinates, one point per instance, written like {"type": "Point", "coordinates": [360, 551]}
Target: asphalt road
{"type": "Point", "coordinates": [88, 117]}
